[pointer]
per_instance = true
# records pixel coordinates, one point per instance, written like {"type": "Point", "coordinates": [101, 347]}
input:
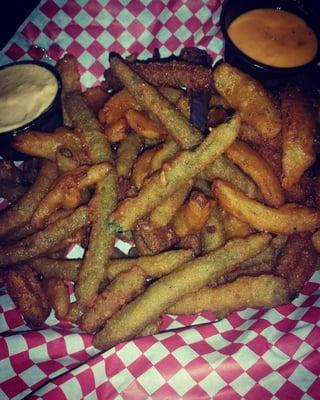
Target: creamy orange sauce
{"type": "Point", "coordinates": [274, 37]}
{"type": "Point", "coordinates": [26, 90]}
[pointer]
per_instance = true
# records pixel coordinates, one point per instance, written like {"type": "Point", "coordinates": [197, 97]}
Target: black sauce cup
{"type": "Point", "coordinates": [270, 76]}
{"type": "Point", "coordinates": [50, 119]}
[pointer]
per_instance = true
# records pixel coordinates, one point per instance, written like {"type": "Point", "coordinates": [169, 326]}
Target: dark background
{"type": "Point", "coordinates": [12, 14]}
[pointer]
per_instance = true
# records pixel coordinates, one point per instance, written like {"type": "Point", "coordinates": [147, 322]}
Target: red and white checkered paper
{"type": "Point", "coordinates": [252, 354]}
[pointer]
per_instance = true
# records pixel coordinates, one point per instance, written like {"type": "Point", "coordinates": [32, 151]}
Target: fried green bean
{"type": "Point", "coordinates": [162, 294]}
{"type": "Point", "coordinates": [127, 153]}
{"type": "Point", "coordinates": [104, 201]}
{"type": "Point", "coordinates": [154, 266]}
{"type": "Point", "coordinates": [41, 242]}
{"type": "Point", "coordinates": [213, 234]}
{"type": "Point", "coordinates": [225, 169]}
{"type": "Point", "coordinates": [89, 129]}
{"type": "Point", "coordinates": [21, 212]}
{"type": "Point", "coordinates": [152, 101]}
{"type": "Point", "coordinates": [174, 174]}
{"type": "Point", "coordinates": [245, 291]}
{"type": "Point", "coordinates": [123, 288]}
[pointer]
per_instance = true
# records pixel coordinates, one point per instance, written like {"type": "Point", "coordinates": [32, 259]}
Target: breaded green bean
{"type": "Point", "coordinates": [104, 201]}
{"type": "Point", "coordinates": [162, 294]}
{"type": "Point", "coordinates": [127, 153]}
{"type": "Point", "coordinates": [163, 214]}
{"type": "Point", "coordinates": [168, 150]}
{"type": "Point", "coordinates": [43, 241]}
{"type": "Point", "coordinates": [152, 101]}
{"type": "Point", "coordinates": [84, 120]}
{"type": "Point", "coordinates": [123, 288]}
{"type": "Point", "coordinates": [101, 243]}
{"type": "Point", "coordinates": [67, 270]}
{"type": "Point", "coordinates": [154, 266]}
{"type": "Point", "coordinates": [245, 291]}
{"type": "Point", "coordinates": [21, 212]}
{"type": "Point", "coordinates": [225, 169]}
{"type": "Point", "coordinates": [213, 234]}
{"type": "Point", "coordinates": [174, 174]}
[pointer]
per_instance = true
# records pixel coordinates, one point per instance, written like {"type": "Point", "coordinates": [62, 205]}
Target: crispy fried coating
{"type": "Point", "coordinates": [224, 168]}
{"type": "Point", "coordinates": [11, 191]}
{"type": "Point", "coordinates": [28, 295]}
{"type": "Point", "coordinates": [245, 291]}
{"type": "Point", "coordinates": [174, 174]}
{"type": "Point", "coordinates": [121, 290]}
{"type": "Point", "coordinates": [58, 296]}
{"type": "Point", "coordinates": [150, 240]}
{"type": "Point", "coordinates": [213, 234]}
{"type": "Point", "coordinates": [42, 242]}
{"type": "Point", "coordinates": [259, 170]}
{"type": "Point", "coordinates": [191, 242]}
{"type": "Point", "coordinates": [158, 107]}
{"type": "Point", "coordinates": [250, 135]}
{"type": "Point", "coordinates": [192, 215]}
{"type": "Point", "coordinates": [173, 73]}
{"type": "Point", "coordinates": [66, 191]}
{"type": "Point", "coordinates": [21, 212]}
{"type": "Point", "coordinates": [163, 293]}
{"type": "Point", "coordinates": [297, 261]}
{"type": "Point", "coordinates": [287, 219]}
{"type": "Point", "coordinates": [298, 132]}
{"type": "Point", "coordinates": [250, 98]}
{"type": "Point", "coordinates": [163, 214]}
{"type": "Point", "coordinates": [10, 172]}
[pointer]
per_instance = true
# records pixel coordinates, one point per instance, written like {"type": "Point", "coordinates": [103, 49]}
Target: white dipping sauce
{"type": "Point", "coordinates": [26, 91]}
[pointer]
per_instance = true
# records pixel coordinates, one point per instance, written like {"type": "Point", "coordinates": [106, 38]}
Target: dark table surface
{"type": "Point", "coordinates": [12, 15]}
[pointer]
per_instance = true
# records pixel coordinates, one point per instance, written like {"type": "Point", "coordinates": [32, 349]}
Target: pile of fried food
{"type": "Point", "coordinates": [223, 212]}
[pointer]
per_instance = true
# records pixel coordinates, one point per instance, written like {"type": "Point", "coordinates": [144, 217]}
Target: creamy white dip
{"type": "Point", "coordinates": [26, 91]}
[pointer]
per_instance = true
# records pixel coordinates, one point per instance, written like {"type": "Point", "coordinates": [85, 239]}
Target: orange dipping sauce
{"type": "Point", "coordinates": [274, 37]}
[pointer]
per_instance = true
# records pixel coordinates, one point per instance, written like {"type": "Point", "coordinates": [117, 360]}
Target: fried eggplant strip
{"type": "Point", "coordinates": [43, 241]}
{"type": "Point", "coordinates": [21, 212]}
{"type": "Point", "coordinates": [45, 145]}
{"type": "Point", "coordinates": [288, 219]}
{"type": "Point", "coordinates": [9, 172]}
{"type": "Point", "coordinates": [174, 174]}
{"type": "Point", "coordinates": [152, 101]}
{"type": "Point", "coordinates": [123, 288]}
{"type": "Point", "coordinates": [11, 191]}
{"type": "Point", "coordinates": [249, 97]}
{"type": "Point", "coordinates": [245, 291]}
{"type": "Point", "coordinates": [259, 170]}
{"type": "Point", "coordinates": [67, 270]}
{"type": "Point", "coordinates": [173, 73]}
{"type": "Point", "coordinates": [58, 295]}
{"type": "Point", "coordinates": [298, 133]}
{"type": "Point", "coordinates": [159, 296]}
{"type": "Point", "coordinates": [297, 260]}
{"type": "Point", "coordinates": [66, 191]}
{"type": "Point", "coordinates": [27, 293]}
